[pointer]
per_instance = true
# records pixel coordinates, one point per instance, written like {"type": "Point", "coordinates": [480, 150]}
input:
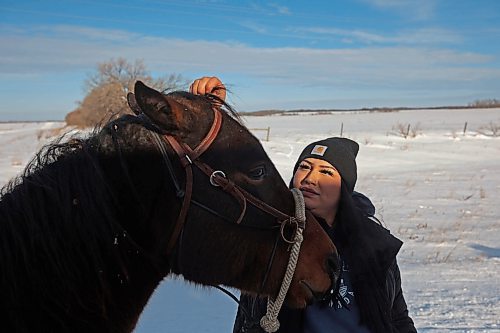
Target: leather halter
{"type": "Point", "coordinates": [189, 157]}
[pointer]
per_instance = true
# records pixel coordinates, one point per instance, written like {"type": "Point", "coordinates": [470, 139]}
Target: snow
{"type": "Point", "coordinates": [436, 191]}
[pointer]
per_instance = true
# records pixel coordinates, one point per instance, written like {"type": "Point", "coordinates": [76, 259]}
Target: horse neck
{"type": "Point", "coordinates": [78, 267]}
{"type": "Point", "coordinates": [145, 214]}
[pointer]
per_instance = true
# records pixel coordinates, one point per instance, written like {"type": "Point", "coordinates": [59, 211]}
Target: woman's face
{"type": "Point", "coordinates": [320, 183]}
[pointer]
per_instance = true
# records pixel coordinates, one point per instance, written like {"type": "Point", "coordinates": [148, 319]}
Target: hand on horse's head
{"type": "Point", "coordinates": [208, 85]}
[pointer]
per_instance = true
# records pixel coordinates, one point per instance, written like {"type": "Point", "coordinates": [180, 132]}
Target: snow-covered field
{"type": "Point", "coordinates": [437, 191]}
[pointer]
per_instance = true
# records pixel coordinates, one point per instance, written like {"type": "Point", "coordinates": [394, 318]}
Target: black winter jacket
{"type": "Point", "coordinates": [371, 250]}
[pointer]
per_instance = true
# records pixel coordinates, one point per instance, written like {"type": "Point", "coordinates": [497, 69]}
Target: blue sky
{"type": "Point", "coordinates": [278, 54]}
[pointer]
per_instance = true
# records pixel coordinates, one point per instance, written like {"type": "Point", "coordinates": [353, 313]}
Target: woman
{"type": "Point", "coordinates": [368, 297]}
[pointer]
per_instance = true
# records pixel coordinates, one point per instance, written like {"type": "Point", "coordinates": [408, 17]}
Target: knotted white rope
{"type": "Point", "coordinates": [270, 321]}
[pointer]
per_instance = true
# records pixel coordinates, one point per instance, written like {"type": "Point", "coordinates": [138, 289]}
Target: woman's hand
{"type": "Point", "coordinates": [208, 85]}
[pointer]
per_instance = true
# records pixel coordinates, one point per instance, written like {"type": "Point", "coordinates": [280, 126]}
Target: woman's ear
{"type": "Point", "coordinates": [164, 112]}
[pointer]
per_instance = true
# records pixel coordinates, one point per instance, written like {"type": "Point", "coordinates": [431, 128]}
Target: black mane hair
{"type": "Point", "coordinates": [45, 237]}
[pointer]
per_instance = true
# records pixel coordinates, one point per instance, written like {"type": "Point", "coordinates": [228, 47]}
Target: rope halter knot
{"type": "Point", "coordinates": [270, 321]}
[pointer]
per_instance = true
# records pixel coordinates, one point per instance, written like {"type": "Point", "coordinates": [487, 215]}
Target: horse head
{"type": "Point", "coordinates": [222, 240]}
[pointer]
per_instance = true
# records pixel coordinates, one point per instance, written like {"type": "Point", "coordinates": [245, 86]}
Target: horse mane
{"type": "Point", "coordinates": [58, 225]}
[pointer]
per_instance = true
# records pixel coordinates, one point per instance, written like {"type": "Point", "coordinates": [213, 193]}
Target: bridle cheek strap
{"type": "Point", "coordinates": [187, 156]}
{"type": "Point", "coordinates": [209, 138]}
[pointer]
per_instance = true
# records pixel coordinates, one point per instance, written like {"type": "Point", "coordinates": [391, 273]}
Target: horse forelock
{"type": "Point", "coordinates": [197, 103]}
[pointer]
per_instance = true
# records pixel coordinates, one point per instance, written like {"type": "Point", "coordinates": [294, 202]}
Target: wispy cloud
{"type": "Point", "coordinates": [434, 36]}
{"type": "Point", "coordinates": [66, 48]}
{"type": "Point", "coordinates": [414, 9]}
{"type": "Point", "coordinates": [270, 9]}
{"type": "Point", "coordinates": [89, 34]}
{"type": "Point", "coordinates": [253, 26]}
{"type": "Point", "coordinates": [283, 10]}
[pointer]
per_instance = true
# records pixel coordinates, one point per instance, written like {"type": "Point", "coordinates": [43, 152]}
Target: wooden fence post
{"type": "Point", "coordinates": [267, 130]}
{"type": "Point", "coordinates": [465, 127]}
{"type": "Point", "coordinates": [341, 129]}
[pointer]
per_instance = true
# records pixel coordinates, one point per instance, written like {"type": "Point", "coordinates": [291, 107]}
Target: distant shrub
{"type": "Point", "coordinates": [485, 103]}
{"type": "Point", "coordinates": [386, 110]}
{"type": "Point", "coordinates": [490, 129]}
{"type": "Point", "coordinates": [264, 113]}
{"type": "Point", "coordinates": [407, 130]}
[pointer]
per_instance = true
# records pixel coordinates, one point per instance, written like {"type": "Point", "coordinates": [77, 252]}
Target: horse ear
{"type": "Point", "coordinates": [163, 111]}
{"type": "Point", "coordinates": [132, 103]}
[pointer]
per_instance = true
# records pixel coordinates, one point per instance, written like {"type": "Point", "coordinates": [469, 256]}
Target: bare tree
{"type": "Point", "coordinates": [107, 89]}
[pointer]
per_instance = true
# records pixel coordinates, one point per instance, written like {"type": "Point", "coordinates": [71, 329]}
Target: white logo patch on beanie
{"type": "Point", "coordinates": [319, 150]}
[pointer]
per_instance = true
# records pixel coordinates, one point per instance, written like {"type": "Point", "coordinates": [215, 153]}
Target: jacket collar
{"type": "Point", "coordinates": [363, 237]}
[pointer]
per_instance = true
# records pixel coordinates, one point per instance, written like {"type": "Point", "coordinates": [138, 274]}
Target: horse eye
{"type": "Point", "coordinates": [257, 173]}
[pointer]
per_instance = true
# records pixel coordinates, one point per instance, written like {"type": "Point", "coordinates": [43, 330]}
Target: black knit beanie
{"type": "Point", "coordinates": [339, 152]}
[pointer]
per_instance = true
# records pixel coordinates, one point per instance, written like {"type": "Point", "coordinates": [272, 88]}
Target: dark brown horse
{"type": "Point", "coordinates": [85, 230]}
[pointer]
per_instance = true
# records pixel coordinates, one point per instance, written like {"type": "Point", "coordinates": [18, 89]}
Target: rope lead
{"type": "Point", "coordinates": [270, 321]}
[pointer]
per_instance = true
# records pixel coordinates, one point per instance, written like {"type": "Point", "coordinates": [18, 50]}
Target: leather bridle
{"type": "Point", "coordinates": [189, 157]}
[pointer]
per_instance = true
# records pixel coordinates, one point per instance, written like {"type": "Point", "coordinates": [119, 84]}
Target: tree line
{"type": "Point", "coordinates": [486, 103]}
